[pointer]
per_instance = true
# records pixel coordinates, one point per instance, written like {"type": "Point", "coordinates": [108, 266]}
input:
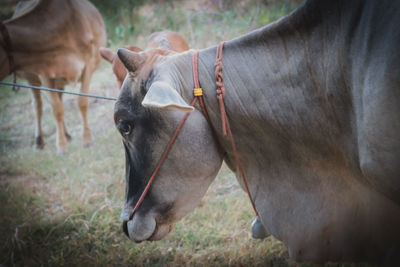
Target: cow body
{"type": "Point", "coordinates": [166, 39]}
{"type": "Point", "coordinates": [53, 44]}
{"type": "Point", "coordinates": [313, 102]}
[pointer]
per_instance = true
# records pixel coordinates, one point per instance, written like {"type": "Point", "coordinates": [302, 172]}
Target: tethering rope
{"type": "Point", "coordinates": [58, 91]}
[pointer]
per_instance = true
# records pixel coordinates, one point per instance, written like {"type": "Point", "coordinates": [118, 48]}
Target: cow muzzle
{"type": "Point", "coordinates": [145, 228]}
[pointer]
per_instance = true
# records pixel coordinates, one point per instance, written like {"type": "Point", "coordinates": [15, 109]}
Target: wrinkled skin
{"type": "Point", "coordinates": [313, 102]}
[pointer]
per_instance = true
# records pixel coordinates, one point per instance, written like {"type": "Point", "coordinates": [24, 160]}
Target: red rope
{"type": "Point", "coordinates": [224, 119]}
{"type": "Point", "coordinates": [195, 69]}
{"type": "Point", "coordinates": [163, 157]}
{"type": "Point", "coordinates": [196, 81]}
{"type": "Point", "coordinates": [220, 86]}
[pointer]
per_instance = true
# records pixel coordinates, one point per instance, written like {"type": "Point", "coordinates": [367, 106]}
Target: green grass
{"type": "Point", "coordinates": [64, 210]}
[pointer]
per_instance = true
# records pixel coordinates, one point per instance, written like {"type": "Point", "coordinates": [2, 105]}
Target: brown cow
{"type": "Point", "coordinates": [55, 42]}
{"type": "Point", "coordinates": [165, 40]}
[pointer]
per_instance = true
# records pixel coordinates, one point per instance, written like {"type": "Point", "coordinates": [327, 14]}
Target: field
{"type": "Point", "coordinates": [64, 210]}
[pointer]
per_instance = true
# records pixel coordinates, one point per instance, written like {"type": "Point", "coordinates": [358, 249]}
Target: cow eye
{"type": "Point", "coordinates": [124, 127]}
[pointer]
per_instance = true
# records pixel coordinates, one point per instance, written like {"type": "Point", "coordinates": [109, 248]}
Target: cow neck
{"type": "Point", "coordinates": [9, 52]}
{"type": "Point", "coordinates": [198, 96]}
{"type": "Point", "coordinates": [226, 129]}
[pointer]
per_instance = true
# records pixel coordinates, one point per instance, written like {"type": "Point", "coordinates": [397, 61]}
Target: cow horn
{"type": "Point", "coordinates": [132, 60]}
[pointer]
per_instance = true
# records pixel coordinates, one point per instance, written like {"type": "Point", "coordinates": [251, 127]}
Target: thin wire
{"type": "Point", "coordinates": [58, 91]}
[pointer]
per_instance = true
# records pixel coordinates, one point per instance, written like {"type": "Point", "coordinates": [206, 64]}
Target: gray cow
{"type": "Point", "coordinates": [314, 105]}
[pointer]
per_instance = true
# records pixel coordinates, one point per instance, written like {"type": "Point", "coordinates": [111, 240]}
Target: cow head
{"type": "Point", "coordinates": [148, 110]}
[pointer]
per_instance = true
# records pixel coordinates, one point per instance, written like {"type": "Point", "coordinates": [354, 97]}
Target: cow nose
{"type": "Point", "coordinates": [125, 228]}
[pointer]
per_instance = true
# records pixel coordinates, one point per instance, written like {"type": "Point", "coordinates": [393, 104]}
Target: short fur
{"type": "Point", "coordinates": [314, 103]}
{"type": "Point", "coordinates": [55, 43]}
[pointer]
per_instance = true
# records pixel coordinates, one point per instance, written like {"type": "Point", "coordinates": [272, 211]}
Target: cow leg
{"type": "Point", "coordinates": [67, 135]}
{"type": "Point", "coordinates": [58, 113]}
{"type": "Point", "coordinates": [83, 103]}
{"type": "Point", "coordinates": [60, 84]}
{"type": "Point", "coordinates": [34, 80]}
{"type": "Point", "coordinates": [38, 106]}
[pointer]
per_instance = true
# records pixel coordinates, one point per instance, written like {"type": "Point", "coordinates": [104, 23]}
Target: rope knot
{"type": "Point", "coordinates": [220, 89]}
{"type": "Point", "coordinates": [226, 129]}
{"type": "Point", "coordinates": [219, 77]}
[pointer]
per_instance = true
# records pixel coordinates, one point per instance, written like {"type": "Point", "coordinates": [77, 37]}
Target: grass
{"type": "Point", "coordinates": [64, 210]}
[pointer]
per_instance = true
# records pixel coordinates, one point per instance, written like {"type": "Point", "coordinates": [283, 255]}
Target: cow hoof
{"type": "Point", "coordinates": [258, 230]}
{"type": "Point", "coordinates": [69, 138]}
{"type": "Point", "coordinates": [62, 151]}
{"type": "Point", "coordinates": [87, 138]}
{"type": "Point", "coordinates": [87, 144]}
{"type": "Point", "coordinates": [39, 143]}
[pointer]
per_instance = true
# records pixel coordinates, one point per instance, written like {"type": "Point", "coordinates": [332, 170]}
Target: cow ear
{"type": "Point", "coordinates": [107, 54]}
{"type": "Point", "coordinates": [132, 60]}
{"type": "Point", "coordinates": [162, 95]}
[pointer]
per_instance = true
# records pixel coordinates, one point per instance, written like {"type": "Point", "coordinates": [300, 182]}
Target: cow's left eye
{"type": "Point", "coordinates": [124, 127]}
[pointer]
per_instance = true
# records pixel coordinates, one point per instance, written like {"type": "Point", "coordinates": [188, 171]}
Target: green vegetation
{"type": "Point", "coordinates": [64, 210]}
{"type": "Point", "coordinates": [200, 22]}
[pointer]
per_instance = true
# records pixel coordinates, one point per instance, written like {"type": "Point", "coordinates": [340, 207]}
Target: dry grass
{"type": "Point", "coordinates": [64, 210]}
